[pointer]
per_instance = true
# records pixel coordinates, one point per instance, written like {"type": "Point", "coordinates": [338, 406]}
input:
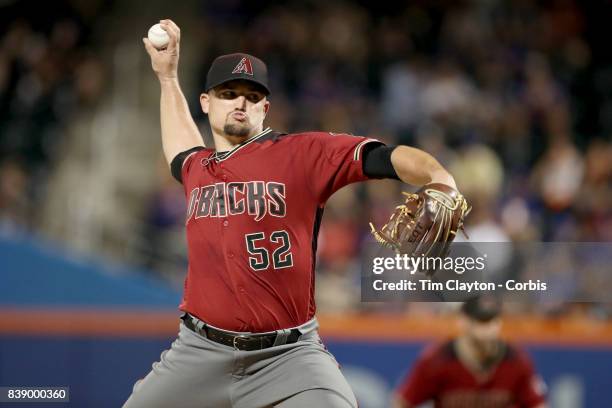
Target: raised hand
{"type": "Point", "coordinates": [165, 61]}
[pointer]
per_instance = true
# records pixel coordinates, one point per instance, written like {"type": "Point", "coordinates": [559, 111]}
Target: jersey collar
{"type": "Point", "coordinates": [219, 157]}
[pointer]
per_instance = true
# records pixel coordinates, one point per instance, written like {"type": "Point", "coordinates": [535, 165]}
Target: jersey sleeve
{"type": "Point", "coordinates": [183, 161]}
{"type": "Point", "coordinates": [531, 388]}
{"type": "Point", "coordinates": [419, 385]}
{"type": "Point", "coordinates": [333, 161]}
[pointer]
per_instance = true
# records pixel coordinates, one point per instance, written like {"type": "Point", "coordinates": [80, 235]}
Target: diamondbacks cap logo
{"type": "Point", "coordinates": [243, 67]}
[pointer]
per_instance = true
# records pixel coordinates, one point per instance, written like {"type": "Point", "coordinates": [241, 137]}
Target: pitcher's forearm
{"type": "Point", "coordinates": [178, 129]}
{"type": "Point", "coordinates": [416, 167]}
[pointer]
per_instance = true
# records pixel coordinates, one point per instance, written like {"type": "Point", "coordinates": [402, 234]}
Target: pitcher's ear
{"type": "Point", "coordinates": [204, 102]}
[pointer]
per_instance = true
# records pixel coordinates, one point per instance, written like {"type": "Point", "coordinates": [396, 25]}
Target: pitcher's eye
{"type": "Point", "coordinates": [228, 94]}
{"type": "Point", "coordinates": [254, 97]}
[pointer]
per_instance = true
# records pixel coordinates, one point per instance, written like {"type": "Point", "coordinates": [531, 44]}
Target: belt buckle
{"type": "Point", "coordinates": [240, 336]}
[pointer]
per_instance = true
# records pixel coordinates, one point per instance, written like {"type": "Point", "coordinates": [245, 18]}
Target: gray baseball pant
{"type": "Point", "coordinates": [197, 372]}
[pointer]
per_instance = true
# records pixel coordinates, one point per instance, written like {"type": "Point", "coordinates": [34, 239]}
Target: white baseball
{"type": "Point", "coordinates": [158, 36]}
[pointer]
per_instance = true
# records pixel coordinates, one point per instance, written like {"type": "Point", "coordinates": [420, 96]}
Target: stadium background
{"type": "Point", "coordinates": [512, 96]}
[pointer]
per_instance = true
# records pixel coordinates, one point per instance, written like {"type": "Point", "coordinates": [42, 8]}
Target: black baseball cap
{"type": "Point", "coordinates": [237, 66]}
{"type": "Point", "coordinates": [481, 308]}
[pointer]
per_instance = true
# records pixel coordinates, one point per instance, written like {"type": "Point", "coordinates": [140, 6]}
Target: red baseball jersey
{"type": "Point", "coordinates": [440, 376]}
{"type": "Point", "coordinates": [252, 223]}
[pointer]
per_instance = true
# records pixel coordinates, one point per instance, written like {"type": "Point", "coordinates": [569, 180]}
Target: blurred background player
{"type": "Point", "coordinates": [475, 369]}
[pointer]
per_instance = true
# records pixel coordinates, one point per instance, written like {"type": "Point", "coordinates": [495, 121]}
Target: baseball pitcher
{"type": "Point", "coordinates": [248, 335]}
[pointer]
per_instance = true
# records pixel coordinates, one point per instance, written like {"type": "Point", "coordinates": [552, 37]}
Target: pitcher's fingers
{"type": "Point", "coordinates": [174, 28]}
{"type": "Point", "coordinates": [173, 42]}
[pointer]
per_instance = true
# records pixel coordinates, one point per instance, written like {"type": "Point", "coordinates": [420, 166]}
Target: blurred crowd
{"type": "Point", "coordinates": [509, 95]}
{"type": "Point", "coordinates": [48, 71]}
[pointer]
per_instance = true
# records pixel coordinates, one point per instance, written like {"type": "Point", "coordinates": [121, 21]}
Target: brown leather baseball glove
{"type": "Point", "coordinates": [426, 223]}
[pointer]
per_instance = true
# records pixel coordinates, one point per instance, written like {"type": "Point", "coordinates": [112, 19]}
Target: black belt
{"type": "Point", "coordinates": [244, 342]}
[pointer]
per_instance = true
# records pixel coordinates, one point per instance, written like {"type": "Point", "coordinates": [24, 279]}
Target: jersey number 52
{"type": "Point", "coordinates": [260, 256]}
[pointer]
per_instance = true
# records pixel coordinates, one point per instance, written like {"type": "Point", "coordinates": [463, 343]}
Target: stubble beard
{"type": "Point", "coordinates": [236, 130]}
